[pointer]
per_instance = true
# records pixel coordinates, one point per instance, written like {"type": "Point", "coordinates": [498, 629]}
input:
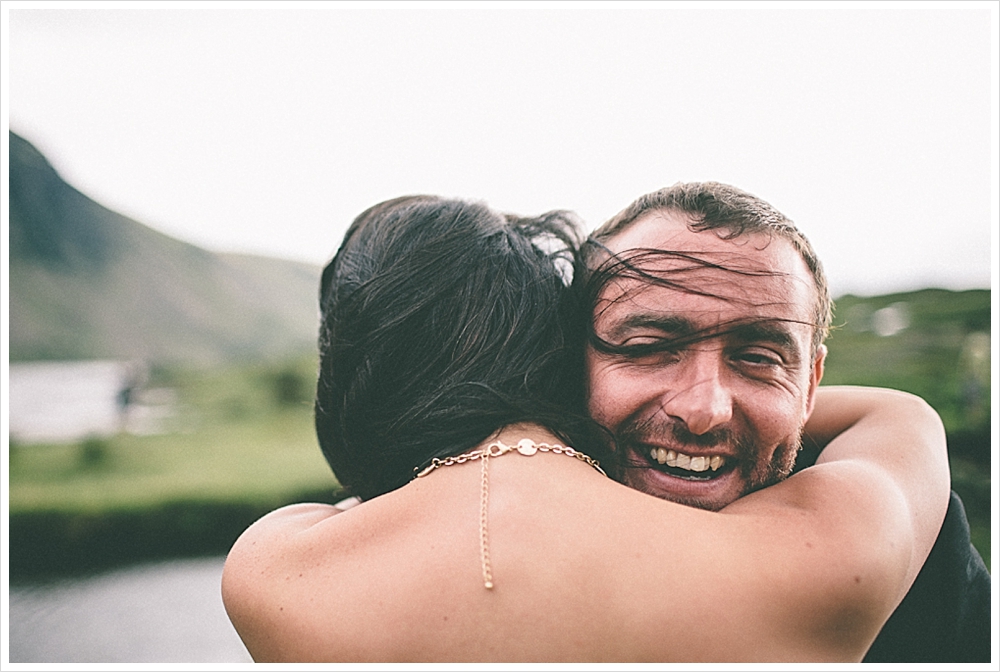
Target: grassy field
{"type": "Point", "coordinates": [233, 438]}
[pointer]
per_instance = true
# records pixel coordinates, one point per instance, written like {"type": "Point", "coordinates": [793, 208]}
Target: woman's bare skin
{"type": "Point", "coordinates": [586, 569]}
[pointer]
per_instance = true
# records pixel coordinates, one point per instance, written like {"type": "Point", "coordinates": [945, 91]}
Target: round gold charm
{"type": "Point", "coordinates": [527, 447]}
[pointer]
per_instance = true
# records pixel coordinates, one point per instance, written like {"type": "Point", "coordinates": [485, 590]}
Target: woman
{"type": "Point", "coordinates": [450, 401]}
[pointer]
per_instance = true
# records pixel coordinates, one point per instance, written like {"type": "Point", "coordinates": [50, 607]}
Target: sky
{"type": "Point", "coordinates": [265, 129]}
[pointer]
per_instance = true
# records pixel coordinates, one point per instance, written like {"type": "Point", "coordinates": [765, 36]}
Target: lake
{"type": "Point", "coordinates": [167, 612]}
{"type": "Point", "coordinates": [67, 401]}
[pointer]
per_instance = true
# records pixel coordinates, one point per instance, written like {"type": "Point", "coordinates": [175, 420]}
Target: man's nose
{"type": "Point", "coordinates": [697, 393]}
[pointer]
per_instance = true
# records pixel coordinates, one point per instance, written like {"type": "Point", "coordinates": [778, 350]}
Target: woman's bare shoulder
{"type": "Point", "coordinates": [275, 537]}
{"type": "Point", "coordinates": [268, 549]}
{"type": "Point", "coordinates": [280, 527]}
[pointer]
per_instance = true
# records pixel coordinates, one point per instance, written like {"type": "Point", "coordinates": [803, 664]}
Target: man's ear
{"type": "Point", "coordinates": [815, 375]}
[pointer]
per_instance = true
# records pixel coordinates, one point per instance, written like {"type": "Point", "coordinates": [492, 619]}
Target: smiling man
{"type": "Point", "coordinates": [703, 358]}
{"type": "Point", "coordinates": [709, 314]}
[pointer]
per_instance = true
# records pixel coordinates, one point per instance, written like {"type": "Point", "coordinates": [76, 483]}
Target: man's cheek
{"type": "Point", "coordinates": [593, 383]}
{"type": "Point", "coordinates": [600, 403]}
{"type": "Point", "coordinates": [595, 406]}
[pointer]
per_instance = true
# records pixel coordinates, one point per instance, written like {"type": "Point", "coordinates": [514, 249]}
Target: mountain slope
{"type": "Point", "coordinates": [86, 282]}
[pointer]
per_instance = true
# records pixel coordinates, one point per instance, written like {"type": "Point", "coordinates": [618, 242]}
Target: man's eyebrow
{"type": "Point", "coordinates": [776, 332]}
{"type": "Point", "coordinates": [681, 330]}
{"type": "Point", "coordinates": [673, 325]}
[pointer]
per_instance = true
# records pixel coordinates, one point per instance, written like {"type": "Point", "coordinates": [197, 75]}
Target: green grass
{"type": "Point", "coordinates": [259, 459]}
{"type": "Point", "coordinates": [238, 436]}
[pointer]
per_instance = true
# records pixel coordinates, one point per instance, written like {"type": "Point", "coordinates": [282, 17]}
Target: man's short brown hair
{"type": "Point", "coordinates": [712, 206]}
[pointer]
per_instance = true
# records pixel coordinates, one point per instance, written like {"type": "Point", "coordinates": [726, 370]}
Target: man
{"type": "Point", "coordinates": [710, 310]}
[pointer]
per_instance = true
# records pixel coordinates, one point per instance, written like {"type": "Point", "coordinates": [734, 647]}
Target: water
{"type": "Point", "coordinates": [67, 401]}
{"type": "Point", "coordinates": [168, 612]}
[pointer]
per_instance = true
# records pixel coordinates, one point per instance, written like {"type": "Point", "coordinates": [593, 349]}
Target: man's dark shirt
{"type": "Point", "coordinates": [945, 617]}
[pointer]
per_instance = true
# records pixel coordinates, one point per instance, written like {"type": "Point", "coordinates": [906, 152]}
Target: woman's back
{"type": "Point", "coordinates": [399, 578]}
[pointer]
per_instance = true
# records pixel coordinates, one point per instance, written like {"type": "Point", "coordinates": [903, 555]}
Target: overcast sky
{"type": "Point", "coordinates": [267, 130]}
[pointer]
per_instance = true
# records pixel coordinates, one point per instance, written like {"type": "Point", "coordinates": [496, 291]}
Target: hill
{"type": "Point", "coordinates": [87, 283]}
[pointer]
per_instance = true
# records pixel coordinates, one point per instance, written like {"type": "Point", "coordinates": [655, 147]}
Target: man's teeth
{"type": "Point", "coordinates": [672, 458]}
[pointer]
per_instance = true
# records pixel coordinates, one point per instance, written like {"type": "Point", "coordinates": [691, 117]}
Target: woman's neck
{"type": "Point", "coordinates": [512, 434]}
{"type": "Point", "coordinates": [527, 441]}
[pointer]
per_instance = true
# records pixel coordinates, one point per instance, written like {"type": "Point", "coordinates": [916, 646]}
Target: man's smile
{"type": "Point", "coordinates": [683, 465]}
{"type": "Point", "coordinates": [672, 458]}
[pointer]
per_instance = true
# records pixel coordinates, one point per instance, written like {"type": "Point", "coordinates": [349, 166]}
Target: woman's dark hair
{"type": "Point", "coordinates": [442, 322]}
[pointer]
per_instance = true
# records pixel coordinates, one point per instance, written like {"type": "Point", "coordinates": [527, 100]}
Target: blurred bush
{"type": "Point", "coordinates": [93, 452]}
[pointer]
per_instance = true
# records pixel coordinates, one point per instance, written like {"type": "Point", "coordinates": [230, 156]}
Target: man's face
{"type": "Point", "coordinates": [706, 394]}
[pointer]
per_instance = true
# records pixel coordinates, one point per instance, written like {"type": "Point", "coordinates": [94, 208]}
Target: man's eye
{"type": "Point", "coordinates": [648, 351]}
{"type": "Point", "coordinates": [633, 341]}
{"type": "Point", "coordinates": [760, 358]}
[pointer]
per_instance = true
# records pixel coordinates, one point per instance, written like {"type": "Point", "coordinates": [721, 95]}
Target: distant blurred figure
{"type": "Point", "coordinates": [132, 381]}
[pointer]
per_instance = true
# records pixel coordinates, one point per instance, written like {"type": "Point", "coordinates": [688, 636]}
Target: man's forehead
{"type": "Point", "coordinates": [631, 302]}
{"type": "Point", "coordinates": [698, 272]}
{"type": "Point", "coordinates": [654, 229]}
{"type": "Point", "coordinates": [670, 230]}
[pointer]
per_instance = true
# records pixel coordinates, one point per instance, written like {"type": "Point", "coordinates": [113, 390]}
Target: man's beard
{"type": "Point", "coordinates": [753, 473]}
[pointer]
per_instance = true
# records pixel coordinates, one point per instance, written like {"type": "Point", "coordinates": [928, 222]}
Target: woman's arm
{"type": "Point", "coordinates": [893, 432]}
{"type": "Point", "coordinates": [892, 437]}
{"type": "Point", "coordinates": [866, 514]}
